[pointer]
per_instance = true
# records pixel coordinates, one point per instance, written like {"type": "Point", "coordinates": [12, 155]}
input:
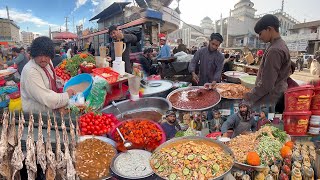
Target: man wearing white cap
{"type": "Point", "coordinates": [164, 49]}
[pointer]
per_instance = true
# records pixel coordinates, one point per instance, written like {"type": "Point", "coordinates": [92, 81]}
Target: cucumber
{"type": "Point", "coordinates": [174, 153]}
{"type": "Point", "coordinates": [157, 165]}
{"type": "Point", "coordinates": [161, 168]}
{"type": "Point", "coordinates": [190, 157]}
{"type": "Point", "coordinates": [186, 171]}
{"type": "Point", "coordinates": [215, 168]}
{"type": "Point", "coordinates": [172, 176]}
{"type": "Point", "coordinates": [203, 170]}
{"type": "Point", "coordinates": [204, 157]}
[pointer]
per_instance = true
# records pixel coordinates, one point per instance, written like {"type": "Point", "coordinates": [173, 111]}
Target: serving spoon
{"type": "Point", "coordinates": [127, 144]}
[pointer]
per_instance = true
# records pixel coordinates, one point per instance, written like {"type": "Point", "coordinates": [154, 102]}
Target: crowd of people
{"type": "Point", "coordinates": [243, 121]}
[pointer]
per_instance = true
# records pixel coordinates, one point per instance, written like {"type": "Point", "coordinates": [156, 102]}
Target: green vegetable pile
{"type": "Point", "coordinates": [279, 134]}
{"type": "Point", "coordinates": [269, 150]}
{"type": "Point", "coordinates": [188, 132]}
{"type": "Point", "coordinates": [74, 63]}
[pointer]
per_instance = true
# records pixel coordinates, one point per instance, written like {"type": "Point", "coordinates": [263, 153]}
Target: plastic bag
{"type": "Point", "coordinates": [15, 104]}
{"type": "Point", "coordinates": [97, 96]}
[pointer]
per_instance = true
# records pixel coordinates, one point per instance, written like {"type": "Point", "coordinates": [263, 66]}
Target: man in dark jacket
{"type": "Point", "coordinates": [181, 47]}
{"type": "Point", "coordinates": [274, 69]}
{"type": "Point", "coordinates": [57, 58]}
{"type": "Point", "coordinates": [241, 122]}
{"type": "Point", "coordinates": [117, 35]}
{"type": "Point", "coordinates": [170, 126]}
{"type": "Point", "coordinates": [211, 62]}
{"type": "Point", "coordinates": [145, 60]}
{"type": "Point", "coordinates": [18, 58]}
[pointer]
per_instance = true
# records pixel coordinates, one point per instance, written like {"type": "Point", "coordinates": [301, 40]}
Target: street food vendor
{"type": "Point", "coordinates": [241, 122]}
{"type": "Point", "coordinates": [18, 58]}
{"type": "Point", "coordinates": [145, 60]}
{"type": "Point", "coordinates": [39, 90]}
{"type": "Point", "coordinates": [165, 50]}
{"type": "Point", "coordinates": [263, 120]}
{"type": "Point", "coordinates": [170, 126]}
{"type": "Point", "coordinates": [211, 62]}
{"type": "Point", "coordinates": [117, 35]}
{"type": "Point", "coordinates": [274, 69]}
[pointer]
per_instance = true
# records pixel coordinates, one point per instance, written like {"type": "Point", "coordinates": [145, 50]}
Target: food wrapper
{"type": "Point", "coordinates": [97, 96]}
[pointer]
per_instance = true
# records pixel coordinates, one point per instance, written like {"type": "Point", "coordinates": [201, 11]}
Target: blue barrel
{"type": "Point", "coordinates": [78, 80]}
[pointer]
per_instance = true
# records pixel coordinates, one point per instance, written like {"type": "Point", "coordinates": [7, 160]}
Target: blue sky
{"type": "Point", "coordinates": [37, 15]}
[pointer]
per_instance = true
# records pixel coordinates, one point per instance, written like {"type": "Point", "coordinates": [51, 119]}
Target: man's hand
{"type": "Point", "coordinates": [225, 135]}
{"type": "Point", "coordinates": [195, 78]}
{"type": "Point", "coordinates": [109, 58]}
{"type": "Point", "coordinates": [71, 92]}
{"type": "Point", "coordinates": [210, 85]}
{"type": "Point", "coordinates": [63, 111]}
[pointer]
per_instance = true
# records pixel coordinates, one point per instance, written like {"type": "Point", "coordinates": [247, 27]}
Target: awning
{"type": "Point", "coordinates": [5, 44]}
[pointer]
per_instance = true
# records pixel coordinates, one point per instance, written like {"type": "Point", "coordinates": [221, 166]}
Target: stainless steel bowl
{"type": "Point", "coordinates": [158, 104]}
{"type": "Point", "coordinates": [115, 171]}
{"type": "Point", "coordinates": [225, 148]}
{"type": "Point", "coordinates": [189, 88]}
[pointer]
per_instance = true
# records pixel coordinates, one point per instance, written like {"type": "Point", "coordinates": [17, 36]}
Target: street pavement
{"type": "Point", "coordinates": [304, 76]}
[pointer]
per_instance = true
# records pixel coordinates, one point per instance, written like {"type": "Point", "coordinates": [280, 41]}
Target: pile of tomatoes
{"type": "Point", "coordinates": [62, 72]}
{"type": "Point", "coordinates": [143, 134]}
{"type": "Point", "coordinates": [95, 124]}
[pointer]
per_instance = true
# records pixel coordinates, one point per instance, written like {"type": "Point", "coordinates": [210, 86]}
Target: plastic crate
{"type": "Point", "coordinates": [106, 73]}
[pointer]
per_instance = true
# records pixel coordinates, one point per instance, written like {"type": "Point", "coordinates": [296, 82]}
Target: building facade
{"type": "Point", "coordinates": [238, 28]}
{"type": "Point", "coordinates": [193, 35]}
{"type": "Point", "coordinates": [304, 37]}
{"type": "Point", "coordinates": [27, 37]}
{"type": "Point", "coordinates": [9, 31]}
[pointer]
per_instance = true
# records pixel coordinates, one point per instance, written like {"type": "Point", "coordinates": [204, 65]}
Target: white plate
{"type": "Point", "coordinates": [224, 139]}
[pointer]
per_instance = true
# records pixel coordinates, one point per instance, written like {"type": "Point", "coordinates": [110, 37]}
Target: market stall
{"type": "Point", "coordinates": [127, 139]}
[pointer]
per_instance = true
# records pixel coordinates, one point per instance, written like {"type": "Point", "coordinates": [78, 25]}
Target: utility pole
{"type": "Point", "coordinates": [67, 24]}
{"type": "Point", "coordinates": [8, 12]}
{"type": "Point", "coordinates": [73, 23]}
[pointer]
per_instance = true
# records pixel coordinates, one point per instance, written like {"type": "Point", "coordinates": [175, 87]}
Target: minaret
{"type": "Point", "coordinates": [50, 32]}
{"type": "Point", "coordinates": [282, 6]}
{"type": "Point", "coordinates": [221, 25]}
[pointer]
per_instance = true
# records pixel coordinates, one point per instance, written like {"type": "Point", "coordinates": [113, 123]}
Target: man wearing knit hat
{"type": "Point", "coordinates": [211, 62]}
{"type": "Point", "coordinates": [274, 69]}
{"type": "Point", "coordinates": [240, 122]}
{"type": "Point", "coordinates": [171, 125]}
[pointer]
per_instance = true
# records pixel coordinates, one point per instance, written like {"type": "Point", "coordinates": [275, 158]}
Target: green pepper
{"type": "Point", "coordinates": [174, 153]}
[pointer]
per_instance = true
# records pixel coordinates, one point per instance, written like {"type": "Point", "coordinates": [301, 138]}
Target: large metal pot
{"type": "Point", "coordinates": [158, 104]}
{"type": "Point", "coordinates": [225, 148]}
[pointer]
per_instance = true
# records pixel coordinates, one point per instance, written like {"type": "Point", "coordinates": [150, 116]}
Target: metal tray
{"type": "Point", "coordinates": [246, 167]}
{"type": "Point", "coordinates": [188, 88]}
{"type": "Point", "coordinates": [197, 138]}
{"type": "Point", "coordinates": [225, 97]}
{"type": "Point", "coordinates": [143, 104]}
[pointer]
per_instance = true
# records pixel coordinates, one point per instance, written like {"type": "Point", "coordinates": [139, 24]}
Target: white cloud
{"type": "Point", "coordinates": [95, 2]}
{"type": "Point", "coordinates": [25, 17]}
{"type": "Point", "coordinates": [29, 10]}
{"type": "Point", "coordinates": [100, 5]}
{"type": "Point", "coordinates": [79, 3]}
